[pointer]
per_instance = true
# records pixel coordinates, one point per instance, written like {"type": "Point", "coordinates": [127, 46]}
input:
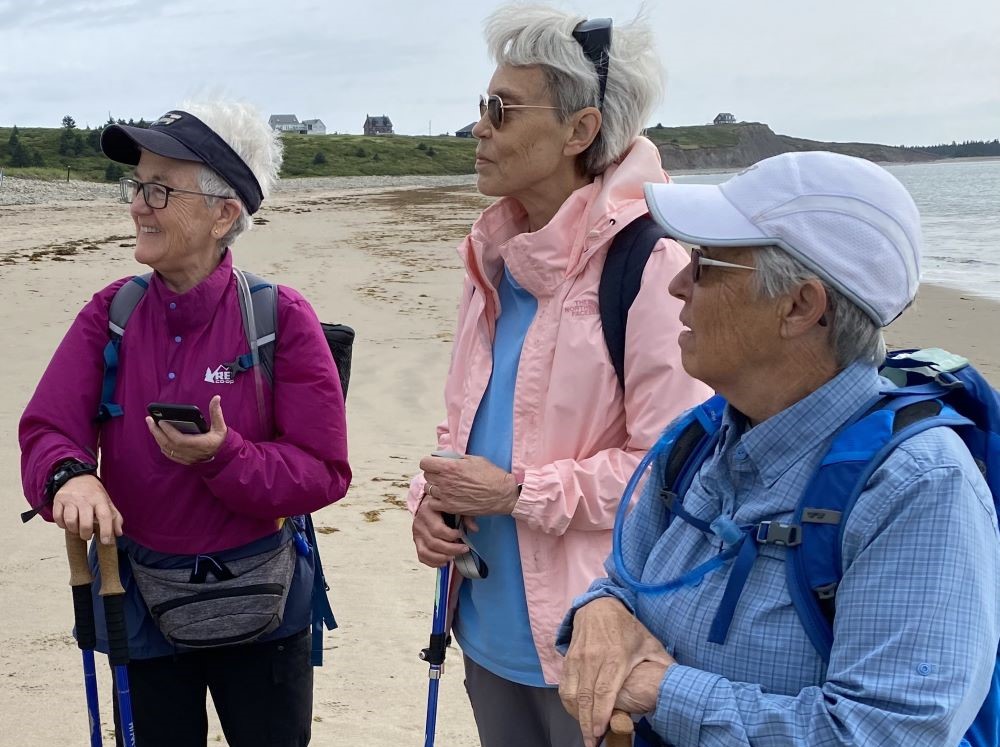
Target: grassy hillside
{"type": "Point", "coordinates": [305, 155]}
{"type": "Point", "coordinates": [385, 155]}
{"type": "Point", "coordinates": [42, 145]}
{"type": "Point", "coordinates": [697, 136]}
{"type": "Point", "coordinates": [48, 152]}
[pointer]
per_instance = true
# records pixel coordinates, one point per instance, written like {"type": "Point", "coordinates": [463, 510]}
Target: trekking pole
{"type": "Point", "coordinates": [622, 729]}
{"type": "Point", "coordinates": [80, 580]}
{"type": "Point", "coordinates": [435, 652]}
{"type": "Point", "coordinates": [113, 596]}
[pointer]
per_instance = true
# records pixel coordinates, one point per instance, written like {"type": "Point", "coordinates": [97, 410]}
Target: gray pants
{"type": "Point", "coordinates": [509, 714]}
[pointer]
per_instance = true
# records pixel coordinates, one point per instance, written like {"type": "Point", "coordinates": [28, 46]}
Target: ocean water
{"type": "Point", "coordinates": [959, 202]}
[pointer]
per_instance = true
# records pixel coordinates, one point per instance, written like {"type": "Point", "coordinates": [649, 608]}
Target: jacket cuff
{"type": "Point", "coordinates": [530, 493]}
{"type": "Point", "coordinates": [231, 446]}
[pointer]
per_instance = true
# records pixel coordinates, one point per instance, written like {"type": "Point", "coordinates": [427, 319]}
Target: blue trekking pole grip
{"type": "Point", "coordinates": [113, 596]}
{"type": "Point", "coordinates": [80, 579]}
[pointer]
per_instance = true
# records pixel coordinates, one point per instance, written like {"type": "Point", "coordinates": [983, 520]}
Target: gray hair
{"type": "Point", "coordinates": [246, 132]}
{"type": "Point", "coordinates": [527, 35]}
{"type": "Point", "coordinates": [854, 336]}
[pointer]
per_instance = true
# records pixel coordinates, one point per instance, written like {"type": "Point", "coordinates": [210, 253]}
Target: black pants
{"type": "Point", "coordinates": [261, 691]}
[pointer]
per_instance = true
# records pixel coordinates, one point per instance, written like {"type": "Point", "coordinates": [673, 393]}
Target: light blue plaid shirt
{"type": "Point", "coordinates": [918, 609]}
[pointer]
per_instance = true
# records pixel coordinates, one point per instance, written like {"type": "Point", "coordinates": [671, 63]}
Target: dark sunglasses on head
{"type": "Point", "coordinates": [494, 106]}
{"type": "Point", "coordinates": [594, 36]}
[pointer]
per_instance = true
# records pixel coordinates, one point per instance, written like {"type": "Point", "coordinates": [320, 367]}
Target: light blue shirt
{"type": "Point", "coordinates": [492, 622]}
{"type": "Point", "coordinates": [918, 609]}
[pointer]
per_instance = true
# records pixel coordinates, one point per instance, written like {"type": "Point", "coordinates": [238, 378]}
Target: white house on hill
{"type": "Point", "coordinates": [291, 123]}
{"type": "Point", "coordinates": [314, 126]}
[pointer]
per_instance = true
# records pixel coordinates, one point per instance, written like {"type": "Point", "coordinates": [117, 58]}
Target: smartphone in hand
{"type": "Point", "coordinates": [185, 418]}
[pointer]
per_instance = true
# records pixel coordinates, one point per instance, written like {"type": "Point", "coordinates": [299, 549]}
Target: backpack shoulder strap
{"type": "Point", "coordinates": [814, 562]}
{"type": "Point", "coordinates": [676, 458]}
{"type": "Point", "coordinates": [620, 282]}
{"type": "Point", "coordinates": [259, 306]}
{"type": "Point", "coordinates": [124, 302]}
{"type": "Point", "coordinates": [122, 305]}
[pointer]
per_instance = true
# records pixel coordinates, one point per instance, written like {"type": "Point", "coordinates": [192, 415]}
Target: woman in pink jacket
{"type": "Point", "coordinates": [549, 435]}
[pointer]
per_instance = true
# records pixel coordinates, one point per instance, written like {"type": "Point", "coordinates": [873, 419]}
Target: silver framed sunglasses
{"type": "Point", "coordinates": [493, 105]}
{"type": "Point", "coordinates": [155, 194]}
{"type": "Point", "coordinates": [699, 260]}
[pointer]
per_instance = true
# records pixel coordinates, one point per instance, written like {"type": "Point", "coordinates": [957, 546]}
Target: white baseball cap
{"type": "Point", "coordinates": [846, 219]}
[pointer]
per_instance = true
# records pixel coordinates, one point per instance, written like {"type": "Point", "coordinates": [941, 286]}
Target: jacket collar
{"type": "Point", "coordinates": [784, 439]}
{"type": "Point", "coordinates": [586, 223]}
{"type": "Point", "coordinates": [195, 307]}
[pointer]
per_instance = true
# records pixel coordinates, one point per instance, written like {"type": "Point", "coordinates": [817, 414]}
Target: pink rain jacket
{"type": "Point", "coordinates": [577, 439]}
{"type": "Point", "coordinates": [292, 460]}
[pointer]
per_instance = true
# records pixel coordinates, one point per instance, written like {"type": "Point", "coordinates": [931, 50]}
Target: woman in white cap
{"type": "Point", "coordinates": [548, 428]}
{"type": "Point", "coordinates": [209, 503]}
{"type": "Point", "coordinates": [825, 570]}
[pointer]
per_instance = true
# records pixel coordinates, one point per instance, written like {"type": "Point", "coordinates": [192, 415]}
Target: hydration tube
{"type": "Point", "coordinates": [663, 446]}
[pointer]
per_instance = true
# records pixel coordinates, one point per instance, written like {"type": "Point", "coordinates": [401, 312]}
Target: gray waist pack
{"type": "Point", "coordinates": [218, 603]}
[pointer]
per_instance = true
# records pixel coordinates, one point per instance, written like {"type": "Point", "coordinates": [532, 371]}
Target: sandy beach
{"type": "Point", "coordinates": [378, 255]}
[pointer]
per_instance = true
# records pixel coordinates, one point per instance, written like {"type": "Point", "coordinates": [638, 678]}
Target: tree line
{"type": "Point", "coordinates": [72, 143]}
{"type": "Point", "coordinates": [967, 149]}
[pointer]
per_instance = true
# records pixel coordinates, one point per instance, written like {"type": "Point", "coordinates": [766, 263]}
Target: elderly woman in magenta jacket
{"type": "Point", "coordinates": [533, 403]}
{"type": "Point", "coordinates": [273, 449]}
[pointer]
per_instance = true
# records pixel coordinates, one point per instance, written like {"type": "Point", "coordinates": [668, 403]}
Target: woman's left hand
{"type": "Point", "coordinates": [187, 448]}
{"type": "Point", "coordinates": [470, 486]}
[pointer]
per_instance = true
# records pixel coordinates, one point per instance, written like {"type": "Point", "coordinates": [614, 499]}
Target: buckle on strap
{"type": "Point", "coordinates": [775, 533]}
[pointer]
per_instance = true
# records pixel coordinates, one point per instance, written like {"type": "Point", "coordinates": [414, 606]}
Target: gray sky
{"type": "Point", "coordinates": [913, 72]}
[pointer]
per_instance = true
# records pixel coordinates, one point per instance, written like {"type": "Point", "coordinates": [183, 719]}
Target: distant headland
{"type": "Point", "coordinates": [70, 152]}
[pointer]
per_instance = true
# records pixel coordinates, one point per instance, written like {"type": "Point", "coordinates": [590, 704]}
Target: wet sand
{"type": "Point", "coordinates": [381, 259]}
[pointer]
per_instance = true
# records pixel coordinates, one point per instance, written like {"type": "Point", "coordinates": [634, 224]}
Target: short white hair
{"type": "Point", "coordinates": [247, 133]}
{"type": "Point", "coordinates": [854, 336]}
{"type": "Point", "coordinates": [528, 35]}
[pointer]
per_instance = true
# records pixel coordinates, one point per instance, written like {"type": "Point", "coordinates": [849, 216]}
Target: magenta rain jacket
{"type": "Point", "coordinates": [287, 457]}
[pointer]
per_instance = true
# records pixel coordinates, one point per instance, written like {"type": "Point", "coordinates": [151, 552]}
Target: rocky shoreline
{"type": "Point", "coordinates": [18, 191]}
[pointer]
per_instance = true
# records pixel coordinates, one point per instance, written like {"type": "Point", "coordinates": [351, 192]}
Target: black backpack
{"type": "Point", "coordinates": [620, 281]}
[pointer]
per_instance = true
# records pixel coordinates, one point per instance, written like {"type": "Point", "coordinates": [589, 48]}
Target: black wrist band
{"type": "Point", "coordinates": [65, 471]}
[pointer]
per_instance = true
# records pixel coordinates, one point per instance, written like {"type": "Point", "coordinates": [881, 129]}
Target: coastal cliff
{"type": "Point", "coordinates": [739, 145]}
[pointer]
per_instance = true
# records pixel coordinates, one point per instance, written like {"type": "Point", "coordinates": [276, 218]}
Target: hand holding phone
{"type": "Point", "coordinates": [185, 418]}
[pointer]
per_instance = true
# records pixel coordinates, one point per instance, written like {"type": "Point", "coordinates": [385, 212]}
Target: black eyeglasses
{"type": "Point", "coordinates": [594, 36]}
{"type": "Point", "coordinates": [155, 194]}
{"type": "Point", "coordinates": [699, 260]}
{"type": "Point", "coordinates": [494, 107]}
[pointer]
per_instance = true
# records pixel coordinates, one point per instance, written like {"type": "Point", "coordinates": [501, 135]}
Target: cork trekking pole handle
{"type": "Point", "coordinates": [621, 731]}
{"type": "Point", "coordinates": [80, 579]}
{"type": "Point", "coordinates": [113, 595]}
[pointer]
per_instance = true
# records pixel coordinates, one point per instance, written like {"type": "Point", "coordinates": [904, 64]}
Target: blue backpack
{"type": "Point", "coordinates": [936, 388]}
{"type": "Point", "coordinates": [259, 307]}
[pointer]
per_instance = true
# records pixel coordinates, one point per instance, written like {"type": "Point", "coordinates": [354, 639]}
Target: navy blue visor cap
{"type": "Point", "coordinates": [180, 135]}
